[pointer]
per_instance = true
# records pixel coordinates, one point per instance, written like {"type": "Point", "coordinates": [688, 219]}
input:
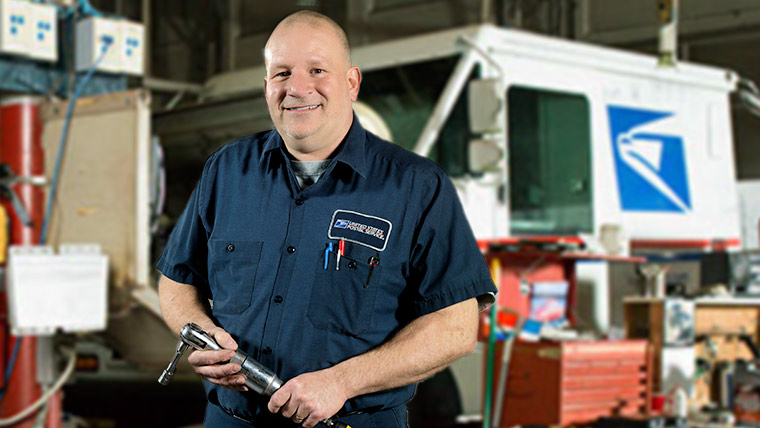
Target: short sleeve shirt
{"type": "Point", "coordinates": [267, 254]}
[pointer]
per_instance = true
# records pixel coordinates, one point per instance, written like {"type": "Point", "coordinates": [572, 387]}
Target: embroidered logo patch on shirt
{"type": "Point", "coordinates": [360, 228]}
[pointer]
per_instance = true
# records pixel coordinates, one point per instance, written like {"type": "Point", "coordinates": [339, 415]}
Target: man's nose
{"type": "Point", "coordinates": [299, 84]}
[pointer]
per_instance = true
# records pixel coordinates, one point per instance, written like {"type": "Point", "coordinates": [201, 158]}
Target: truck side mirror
{"type": "Point", "coordinates": [484, 156]}
{"type": "Point", "coordinates": [486, 105]}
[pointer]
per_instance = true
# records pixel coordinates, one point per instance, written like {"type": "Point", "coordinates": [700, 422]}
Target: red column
{"type": "Point", "coordinates": [21, 149]}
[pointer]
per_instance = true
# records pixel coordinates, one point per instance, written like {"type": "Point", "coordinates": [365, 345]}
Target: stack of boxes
{"type": "Point", "coordinates": [31, 30]}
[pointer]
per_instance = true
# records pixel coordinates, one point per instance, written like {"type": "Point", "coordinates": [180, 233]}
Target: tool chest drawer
{"type": "Point", "coordinates": [576, 382]}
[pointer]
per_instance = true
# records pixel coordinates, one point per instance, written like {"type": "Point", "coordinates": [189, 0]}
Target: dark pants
{"type": "Point", "coordinates": [390, 418]}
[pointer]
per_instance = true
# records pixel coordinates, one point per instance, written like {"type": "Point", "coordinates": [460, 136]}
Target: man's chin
{"type": "Point", "coordinates": [300, 132]}
{"type": "Point", "coordinates": [299, 135]}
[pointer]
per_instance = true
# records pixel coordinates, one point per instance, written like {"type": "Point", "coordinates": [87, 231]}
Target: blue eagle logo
{"type": "Point", "coordinates": [650, 165]}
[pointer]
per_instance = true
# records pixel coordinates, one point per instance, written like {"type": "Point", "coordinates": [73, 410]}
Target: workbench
{"type": "Point", "coordinates": [721, 319]}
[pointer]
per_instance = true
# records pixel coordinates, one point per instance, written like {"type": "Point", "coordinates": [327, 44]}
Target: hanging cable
{"type": "Point", "coordinates": [749, 95]}
{"type": "Point", "coordinates": [85, 8]}
{"type": "Point", "coordinates": [64, 136]}
{"type": "Point", "coordinates": [18, 417]}
{"type": "Point", "coordinates": [11, 365]}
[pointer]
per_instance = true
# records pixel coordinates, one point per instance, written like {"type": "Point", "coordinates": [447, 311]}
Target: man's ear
{"type": "Point", "coordinates": [354, 77]}
{"type": "Point", "coordinates": [266, 95]}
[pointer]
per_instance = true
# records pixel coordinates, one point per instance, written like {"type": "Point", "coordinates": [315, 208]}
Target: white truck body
{"type": "Point", "coordinates": [662, 158]}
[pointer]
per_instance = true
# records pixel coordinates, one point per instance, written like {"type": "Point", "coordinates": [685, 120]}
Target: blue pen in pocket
{"type": "Point", "coordinates": [328, 250]}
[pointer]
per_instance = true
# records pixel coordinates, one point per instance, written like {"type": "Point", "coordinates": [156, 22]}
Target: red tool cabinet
{"type": "Point", "coordinates": [570, 383]}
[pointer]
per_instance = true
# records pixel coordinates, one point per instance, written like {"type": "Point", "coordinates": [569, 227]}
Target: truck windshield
{"type": "Point", "coordinates": [405, 97]}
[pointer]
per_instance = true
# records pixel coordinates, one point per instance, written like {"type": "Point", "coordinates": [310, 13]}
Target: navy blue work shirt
{"type": "Point", "coordinates": [257, 245]}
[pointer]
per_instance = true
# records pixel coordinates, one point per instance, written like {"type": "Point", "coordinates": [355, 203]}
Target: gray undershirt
{"type": "Point", "coordinates": [308, 172]}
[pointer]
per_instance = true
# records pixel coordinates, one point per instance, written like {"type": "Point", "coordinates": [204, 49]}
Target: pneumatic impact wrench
{"type": "Point", "coordinates": [257, 377]}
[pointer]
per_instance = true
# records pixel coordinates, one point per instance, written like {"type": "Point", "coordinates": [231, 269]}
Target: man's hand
{"type": "Point", "coordinates": [309, 398]}
{"type": "Point", "coordinates": [214, 366]}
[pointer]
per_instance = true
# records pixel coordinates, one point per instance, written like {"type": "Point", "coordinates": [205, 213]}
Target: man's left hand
{"type": "Point", "coordinates": [309, 398]}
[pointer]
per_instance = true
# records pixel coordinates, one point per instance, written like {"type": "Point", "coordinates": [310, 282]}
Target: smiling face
{"type": "Point", "coordinates": [309, 87]}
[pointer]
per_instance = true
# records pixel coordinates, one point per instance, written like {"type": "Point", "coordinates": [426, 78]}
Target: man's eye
{"type": "Point", "coordinates": [282, 74]}
{"type": "Point", "coordinates": [318, 71]}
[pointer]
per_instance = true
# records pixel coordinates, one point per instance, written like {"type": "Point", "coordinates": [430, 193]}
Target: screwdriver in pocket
{"type": "Point", "coordinates": [373, 261]}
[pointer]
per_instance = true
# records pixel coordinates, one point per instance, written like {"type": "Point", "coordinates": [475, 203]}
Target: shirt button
{"type": "Point", "coordinates": [266, 351]}
{"type": "Point", "coordinates": [278, 299]}
{"type": "Point", "coordinates": [352, 264]}
{"type": "Point", "coordinates": [299, 202]}
{"type": "Point", "coordinates": [230, 248]}
{"type": "Point", "coordinates": [291, 250]}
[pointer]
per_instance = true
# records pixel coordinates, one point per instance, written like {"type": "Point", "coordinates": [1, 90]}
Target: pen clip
{"type": "Point", "coordinates": [328, 250]}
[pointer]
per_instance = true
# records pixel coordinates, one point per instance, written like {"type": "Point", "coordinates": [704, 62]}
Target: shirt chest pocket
{"type": "Point", "coordinates": [233, 267]}
{"type": "Point", "coordinates": [343, 300]}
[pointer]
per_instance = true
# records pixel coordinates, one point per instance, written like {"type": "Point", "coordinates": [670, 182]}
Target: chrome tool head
{"type": "Point", "coordinates": [193, 335]}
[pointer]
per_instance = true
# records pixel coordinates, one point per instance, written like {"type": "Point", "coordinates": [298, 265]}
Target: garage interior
{"type": "Point", "coordinates": [606, 153]}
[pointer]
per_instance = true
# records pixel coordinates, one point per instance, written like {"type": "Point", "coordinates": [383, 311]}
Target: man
{"type": "Point", "coordinates": [340, 261]}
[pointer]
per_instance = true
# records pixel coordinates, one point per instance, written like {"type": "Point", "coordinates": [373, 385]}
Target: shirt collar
{"type": "Point", "coordinates": [351, 151]}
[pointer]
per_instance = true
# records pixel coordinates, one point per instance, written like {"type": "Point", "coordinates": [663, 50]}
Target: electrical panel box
{"type": "Point", "coordinates": [133, 37]}
{"type": "Point", "coordinates": [96, 37]}
{"type": "Point", "coordinates": [124, 41]}
{"type": "Point", "coordinates": [15, 27]}
{"type": "Point", "coordinates": [48, 291]}
{"type": "Point", "coordinates": [43, 44]}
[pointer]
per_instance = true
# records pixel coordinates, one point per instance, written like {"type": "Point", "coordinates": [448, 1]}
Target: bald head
{"type": "Point", "coordinates": [310, 84]}
{"type": "Point", "coordinates": [315, 20]}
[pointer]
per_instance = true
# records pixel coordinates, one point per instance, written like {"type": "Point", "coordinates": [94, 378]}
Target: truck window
{"type": "Point", "coordinates": [549, 142]}
{"type": "Point", "coordinates": [405, 97]}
